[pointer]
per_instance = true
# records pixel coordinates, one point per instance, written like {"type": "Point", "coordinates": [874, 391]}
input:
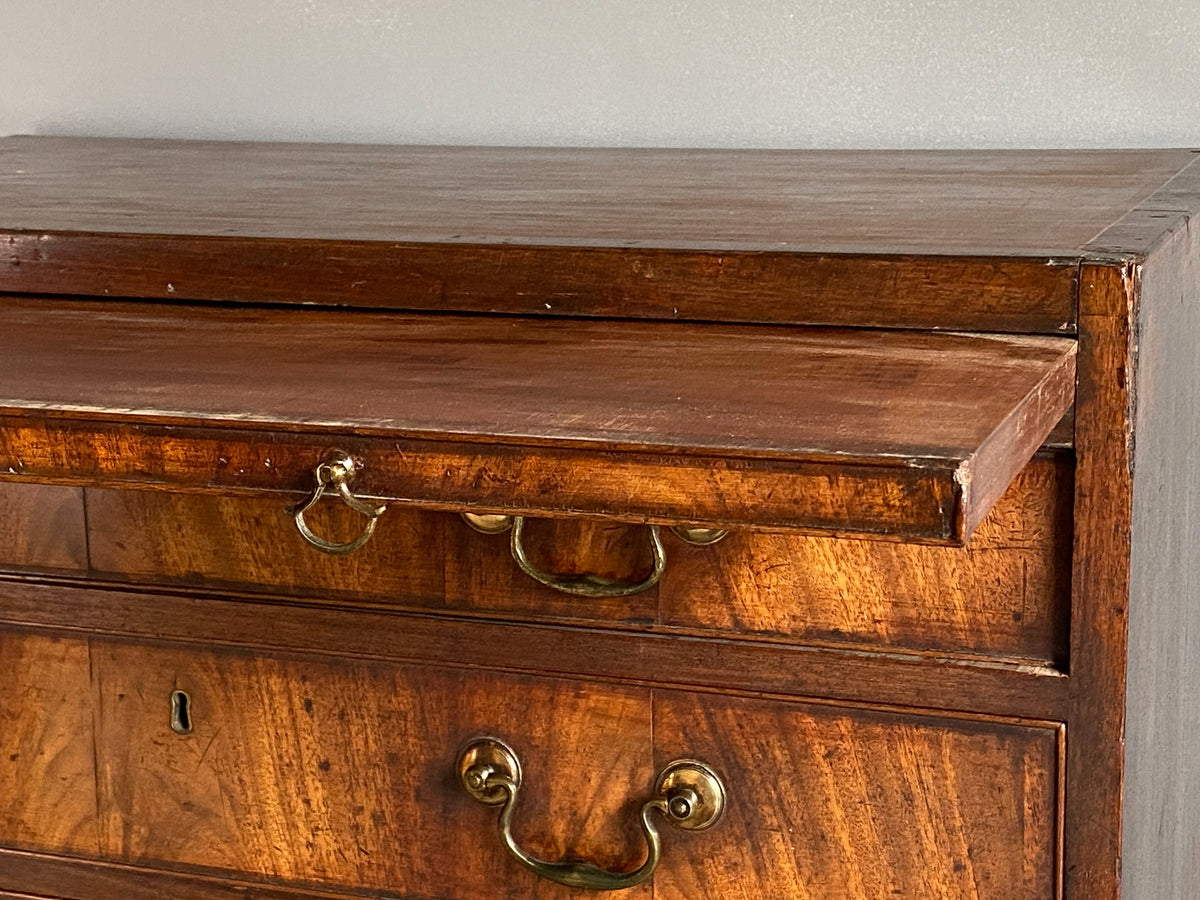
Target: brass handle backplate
{"type": "Point", "coordinates": [688, 793]}
{"type": "Point", "coordinates": [336, 470]}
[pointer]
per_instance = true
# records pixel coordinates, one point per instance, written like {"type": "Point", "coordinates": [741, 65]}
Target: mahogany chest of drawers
{"type": "Point", "coordinates": [461, 523]}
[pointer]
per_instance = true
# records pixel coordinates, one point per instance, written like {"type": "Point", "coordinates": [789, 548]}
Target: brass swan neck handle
{"type": "Point", "coordinates": [589, 585]}
{"type": "Point", "coordinates": [688, 794]}
{"type": "Point", "coordinates": [336, 470]}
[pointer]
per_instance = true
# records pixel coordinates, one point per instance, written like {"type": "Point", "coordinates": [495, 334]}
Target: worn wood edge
{"type": "Point", "coordinates": [1060, 816]}
{"type": "Point", "coordinates": [987, 474]}
{"type": "Point", "coordinates": [1148, 225]}
{"type": "Point", "coordinates": [1048, 255]}
{"type": "Point", "coordinates": [1100, 582]}
{"type": "Point", "coordinates": [571, 651]}
{"type": "Point", "coordinates": [715, 491]}
{"type": "Point", "coordinates": [57, 877]}
{"type": "Point", "coordinates": [960, 292]}
{"type": "Point", "coordinates": [95, 417]}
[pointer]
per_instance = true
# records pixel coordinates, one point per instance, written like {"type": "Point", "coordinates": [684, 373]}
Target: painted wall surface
{"type": "Point", "coordinates": [795, 73]}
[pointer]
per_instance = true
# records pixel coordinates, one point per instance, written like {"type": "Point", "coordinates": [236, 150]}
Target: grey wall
{"type": "Point", "coordinates": [653, 72]}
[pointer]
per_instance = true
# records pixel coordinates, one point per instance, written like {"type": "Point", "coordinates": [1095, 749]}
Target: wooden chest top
{"type": "Point", "coordinates": [964, 240]}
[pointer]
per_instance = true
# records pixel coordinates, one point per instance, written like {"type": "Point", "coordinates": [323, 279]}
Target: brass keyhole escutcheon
{"type": "Point", "coordinates": [181, 712]}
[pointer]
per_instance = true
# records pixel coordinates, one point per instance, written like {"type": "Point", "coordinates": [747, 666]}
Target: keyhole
{"type": "Point", "coordinates": [181, 712]}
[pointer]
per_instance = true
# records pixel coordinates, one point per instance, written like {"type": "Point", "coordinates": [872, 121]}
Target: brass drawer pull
{"type": "Point", "coordinates": [588, 585]}
{"type": "Point", "coordinates": [687, 793]}
{"type": "Point", "coordinates": [337, 470]}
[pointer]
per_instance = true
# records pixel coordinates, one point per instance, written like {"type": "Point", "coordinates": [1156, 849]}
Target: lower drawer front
{"type": "Point", "coordinates": [339, 775]}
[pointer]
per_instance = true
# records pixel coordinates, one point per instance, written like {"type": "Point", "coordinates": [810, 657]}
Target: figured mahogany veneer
{"type": "Point", "coordinates": [328, 773]}
{"type": "Point", "coordinates": [1004, 595]}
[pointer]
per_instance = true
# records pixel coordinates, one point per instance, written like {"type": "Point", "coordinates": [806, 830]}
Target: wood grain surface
{"type": "Point", "coordinates": [813, 394]}
{"type": "Point", "coordinates": [42, 526]}
{"type": "Point", "coordinates": [805, 662]}
{"type": "Point", "coordinates": [995, 294]}
{"type": "Point", "coordinates": [1100, 584]}
{"type": "Point", "coordinates": [965, 412]}
{"type": "Point", "coordinates": [835, 804]}
{"type": "Point", "coordinates": [1004, 594]}
{"type": "Point", "coordinates": [901, 201]}
{"type": "Point", "coordinates": [341, 773]}
{"type": "Point", "coordinates": [948, 239]}
{"type": "Point", "coordinates": [67, 878]}
{"type": "Point", "coordinates": [326, 773]}
{"type": "Point", "coordinates": [243, 543]}
{"type": "Point", "coordinates": [453, 475]}
{"type": "Point", "coordinates": [47, 730]}
{"type": "Point", "coordinates": [1157, 220]}
{"type": "Point", "coordinates": [247, 622]}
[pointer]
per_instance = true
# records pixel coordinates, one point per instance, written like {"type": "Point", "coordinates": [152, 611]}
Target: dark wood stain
{"type": "Point", "coordinates": [1142, 230]}
{"type": "Point", "coordinates": [758, 200]}
{"type": "Point", "coordinates": [947, 293]}
{"type": "Point", "coordinates": [965, 412]}
{"type": "Point", "coordinates": [789, 393]}
{"type": "Point", "coordinates": [885, 239]}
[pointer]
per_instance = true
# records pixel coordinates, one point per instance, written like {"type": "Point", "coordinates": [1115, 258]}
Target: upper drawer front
{"type": "Point", "coordinates": [1004, 595]}
{"type": "Point", "coordinates": [334, 774]}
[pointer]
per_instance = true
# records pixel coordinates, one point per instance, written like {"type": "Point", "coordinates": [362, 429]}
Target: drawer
{"type": "Point", "coordinates": [338, 776]}
{"type": "Point", "coordinates": [886, 434]}
{"type": "Point", "coordinates": [1003, 595]}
